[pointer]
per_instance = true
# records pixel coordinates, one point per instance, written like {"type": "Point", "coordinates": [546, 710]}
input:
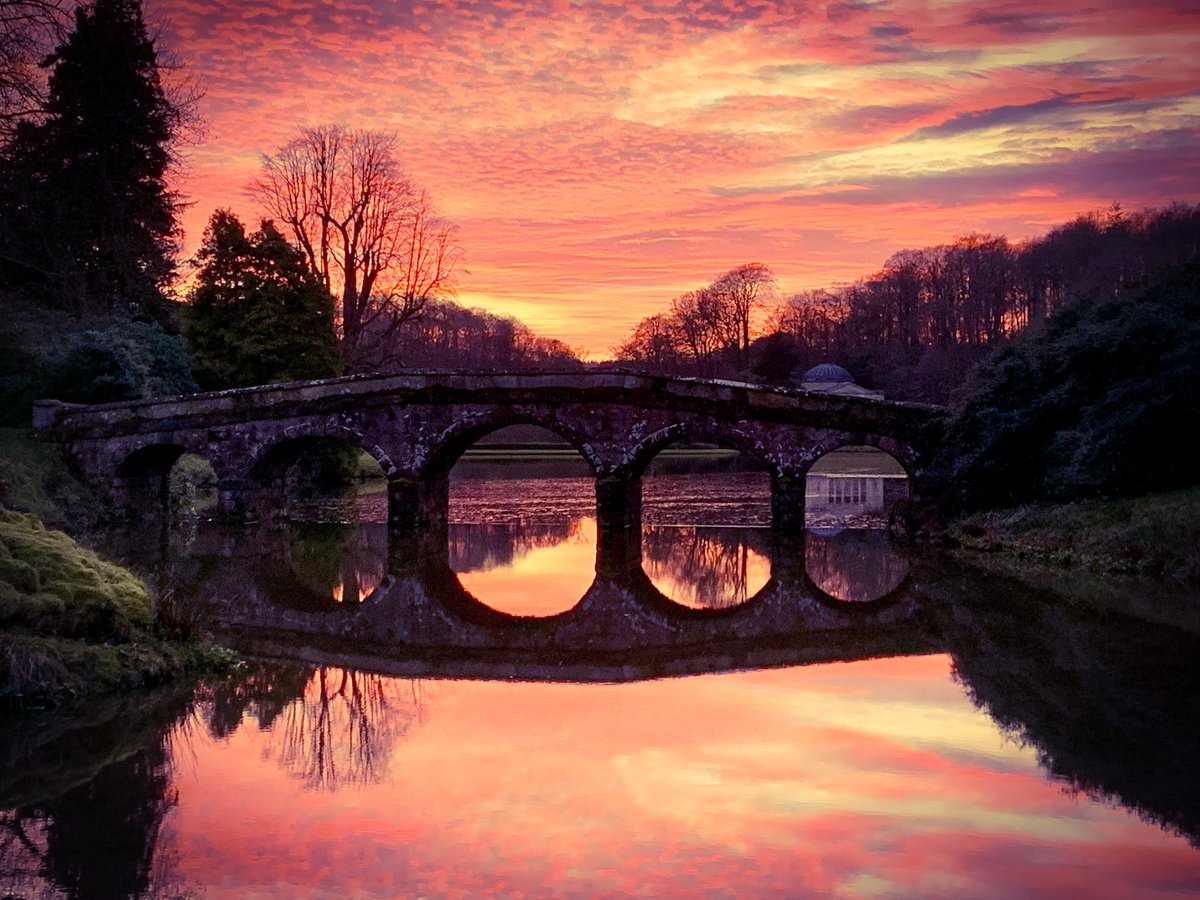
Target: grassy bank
{"type": "Point", "coordinates": [1157, 536]}
{"type": "Point", "coordinates": [36, 478]}
{"type": "Point", "coordinates": [72, 624]}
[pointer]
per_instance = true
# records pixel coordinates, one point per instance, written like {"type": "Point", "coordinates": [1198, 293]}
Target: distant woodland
{"type": "Point", "coordinates": [916, 327]}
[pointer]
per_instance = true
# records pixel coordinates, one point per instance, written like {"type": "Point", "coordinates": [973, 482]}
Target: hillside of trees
{"type": "Point", "coordinates": [1094, 403]}
{"type": "Point", "coordinates": [915, 328]}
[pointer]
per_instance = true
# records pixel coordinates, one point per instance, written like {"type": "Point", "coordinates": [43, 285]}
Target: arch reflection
{"type": "Point", "coordinates": [321, 565]}
{"type": "Point", "coordinates": [856, 565]}
{"type": "Point", "coordinates": [707, 567]}
{"type": "Point", "coordinates": [525, 568]}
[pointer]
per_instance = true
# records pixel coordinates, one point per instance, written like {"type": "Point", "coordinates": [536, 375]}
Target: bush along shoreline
{"type": "Point", "coordinates": [73, 625]}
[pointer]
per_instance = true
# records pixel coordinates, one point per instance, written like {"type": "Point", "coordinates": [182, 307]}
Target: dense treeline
{"type": "Point", "coordinates": [1094, 403]}
{"type": "Point", "coordinates": [447, 335]}
{"type": "Point", "coordinates": [918, 325]}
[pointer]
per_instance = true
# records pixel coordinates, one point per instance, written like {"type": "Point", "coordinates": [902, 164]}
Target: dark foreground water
{"type": "Point", "coordinates": [524, 707]}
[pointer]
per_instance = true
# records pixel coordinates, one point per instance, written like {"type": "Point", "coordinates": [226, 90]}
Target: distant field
{"type": "Point", "coordinates": [857, 461]}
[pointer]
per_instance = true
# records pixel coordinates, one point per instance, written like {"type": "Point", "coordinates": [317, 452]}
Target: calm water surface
{"type": "Point", "coordinates": [524, 706]}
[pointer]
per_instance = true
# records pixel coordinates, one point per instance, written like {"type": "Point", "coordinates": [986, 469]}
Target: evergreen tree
{"type": "Point", "coordinates": [86, 218]}
{"type": "Point", "coordinates": [258, 314]}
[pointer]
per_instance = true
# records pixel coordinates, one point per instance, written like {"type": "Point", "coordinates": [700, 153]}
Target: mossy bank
{"type": "Point", "coordinates": [1156, 536]}
{"type": "Point", "coordinates": [72, 624]}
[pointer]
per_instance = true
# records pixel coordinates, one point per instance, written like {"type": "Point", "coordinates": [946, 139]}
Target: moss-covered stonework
{"type": "Point", "coordinates": [73, 624]}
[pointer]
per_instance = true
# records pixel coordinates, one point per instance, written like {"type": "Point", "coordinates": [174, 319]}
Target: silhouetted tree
{"type": "Point", "coordinates": [741, 293]}
{"type": "Point", "coordinates": [708, 330]}
{"type": "Point", "coordinates": [28, 30]}
{"type": "Point", "coordinates": [258, 314]}
{"type": "Point", "coordinates": [86, 218]}
{"type": "Point", "coordinates": [654, 345]}
{"type": "Point", "coordinates": [368, 231]}
{"type": "Point", "coordinates": [812, 318]}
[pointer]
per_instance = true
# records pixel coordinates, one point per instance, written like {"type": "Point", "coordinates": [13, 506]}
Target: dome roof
{"type": "Point", "coordinates": [826, 373]}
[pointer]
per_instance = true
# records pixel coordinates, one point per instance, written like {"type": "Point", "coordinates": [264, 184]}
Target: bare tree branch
{"type": "Point", "coordinates": [371, 234]}
{"type": "Point", "coordinates": [29, 31]}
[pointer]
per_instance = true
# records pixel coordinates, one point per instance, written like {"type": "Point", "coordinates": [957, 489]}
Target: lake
{"type": "Point", "coordinates": [527, 705]}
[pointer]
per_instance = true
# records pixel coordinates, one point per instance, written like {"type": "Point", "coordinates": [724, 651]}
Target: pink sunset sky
{"type": "Point", "coordinates": [602, 158]}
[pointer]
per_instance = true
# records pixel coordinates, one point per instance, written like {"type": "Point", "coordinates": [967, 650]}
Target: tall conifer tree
{"type": "Point", "coordinates": [87, 216]}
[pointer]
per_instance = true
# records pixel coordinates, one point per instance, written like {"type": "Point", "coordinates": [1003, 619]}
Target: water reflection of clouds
{"type": "Point", "coordinates": [814, 780]}
{"type": "Point", "coordinates": [525, 570]}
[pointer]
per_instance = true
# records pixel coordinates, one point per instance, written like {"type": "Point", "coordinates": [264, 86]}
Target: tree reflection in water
{"type": "Point", "coordinates": [329, 727]}
{"type": "Point", "coordinates": [706, 568]}
{"type": "Point", "coordinates": [342, 562]}
{"type": "Point", "coordinates": [92, 791]}
{"type": "Point", "coordinates": [853, 564]}
{"type": "Point", "coordinates": [1108, 701]}
{"type": "Point", "coordinates": [483, 547]}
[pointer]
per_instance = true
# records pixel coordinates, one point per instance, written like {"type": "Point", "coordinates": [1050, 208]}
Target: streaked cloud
{"type": "Point", "coordinates": [602, 157]}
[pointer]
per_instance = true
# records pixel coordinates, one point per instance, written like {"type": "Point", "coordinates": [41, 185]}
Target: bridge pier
{"type": "Point", "coordinates": [237, 498]}
{"type": "Point", "coordinates": [416, 503]}
{"type": "Point", "coordinates": [618, 552]}
{"type": "Point", "coordinates": [618, 502]}
{"type": "Point", "coordinates": [788, 561]}
{"type": "Point", "coordinates": [787, 501]}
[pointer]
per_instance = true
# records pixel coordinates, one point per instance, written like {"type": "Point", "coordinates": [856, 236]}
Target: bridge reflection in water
{"type": "Point", "coordinates": [667, 601]}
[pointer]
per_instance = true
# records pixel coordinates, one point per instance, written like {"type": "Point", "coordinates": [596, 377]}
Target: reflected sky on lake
{"type": "Point", "coordinates": [524, 569]}
{"type": "Point", "coordinates": [878, 777]}
{"type": "Point", "coordinates": [1024, 747]}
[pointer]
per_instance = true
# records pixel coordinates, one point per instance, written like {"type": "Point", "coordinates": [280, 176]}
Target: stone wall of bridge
{"type": "Point", "coordinates": [418, 426]}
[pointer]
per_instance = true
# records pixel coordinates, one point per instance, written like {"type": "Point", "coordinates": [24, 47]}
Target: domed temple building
{"type": "Point", "coordinates": [828, 378]}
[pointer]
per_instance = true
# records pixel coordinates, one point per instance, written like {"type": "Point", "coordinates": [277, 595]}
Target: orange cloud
{"type": "Point", "coordinates": [601, 158]}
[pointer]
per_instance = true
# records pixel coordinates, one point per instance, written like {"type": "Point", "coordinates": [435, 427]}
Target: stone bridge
{"type": "Point", "coordinates": [417, 425]}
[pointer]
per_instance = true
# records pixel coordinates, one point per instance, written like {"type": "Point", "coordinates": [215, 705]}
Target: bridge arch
{"type": "Point", "coordinates": [447, 447]}
{"type": "Point", "coordinates": [150, 460]}
{"type": "Point", "coordinates": [296, 438]}
{"type": "Point", "coordinates": [417, 424]}
{"type": "Point", "coordinates": [420, 496]}
{"type": "Point", "coordinates": [901, 451]}
{"type": "Point", "coordinates": [719, 433]}
{"type": "Point", "coordinates": [140, 478]}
